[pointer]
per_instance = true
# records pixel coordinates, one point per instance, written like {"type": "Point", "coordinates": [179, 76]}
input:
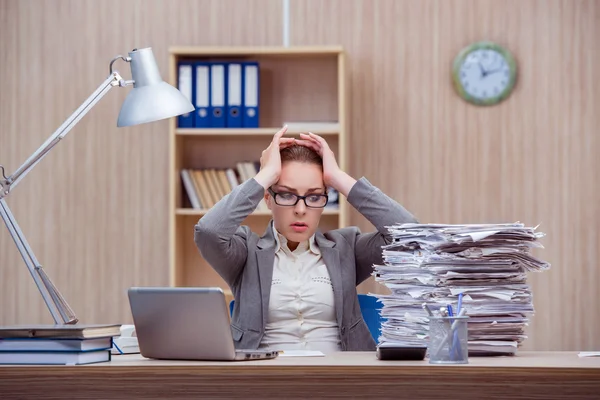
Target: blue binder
{"type": "Point", "coordinates": [185, 84]}
{"type": "Point", "coordinates": [203, 115]}
{"type": "Point", "coordinates": [250, 107]}
{"type": "Point", "coordinates": [234, 95]}
{"type": "Point", "coordinates": [218, 94]}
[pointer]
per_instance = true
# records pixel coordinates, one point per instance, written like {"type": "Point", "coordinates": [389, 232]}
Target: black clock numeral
{"type": "Point", "coordinates": [506, 73]}
{"type": "Point", "coordinates": [503, 83]}
{"type": "Point", "coordinates": [496, 90]}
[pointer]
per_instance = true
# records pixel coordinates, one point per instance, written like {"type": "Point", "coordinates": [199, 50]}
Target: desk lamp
{"type": "Point", "coordinates": [151, 99]}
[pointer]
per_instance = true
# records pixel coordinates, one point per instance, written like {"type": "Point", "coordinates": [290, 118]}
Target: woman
{"type": "Point", "coordinates": [295, 287]}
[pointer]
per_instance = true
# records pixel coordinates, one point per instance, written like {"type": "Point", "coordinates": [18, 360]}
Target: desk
{"type": "Point", "coordinates": [540, 375]}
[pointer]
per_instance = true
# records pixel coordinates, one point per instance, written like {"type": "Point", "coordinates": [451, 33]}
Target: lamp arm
{"type": "Point", "coordinates": [7, 183]}
{"type": "Point", "coordinates": [59, 308]}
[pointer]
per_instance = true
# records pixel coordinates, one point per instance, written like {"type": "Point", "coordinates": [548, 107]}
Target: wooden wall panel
{"type": "Point", "coordinates": [95, 210]}
{"type": "Point", "coordinates": [532, 158]}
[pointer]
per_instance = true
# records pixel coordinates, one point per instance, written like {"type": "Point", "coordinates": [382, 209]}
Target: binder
{"type": "Point", "coordinates": [234, 95]}
{"type": "Point", "coordinates": [185, 83]}
{"type": "Point", "coordinates": [202, 116]}
{"type": "Point", "coordinates": [250, 108]}
{"type": "Point", "coordinates": [218, 94]}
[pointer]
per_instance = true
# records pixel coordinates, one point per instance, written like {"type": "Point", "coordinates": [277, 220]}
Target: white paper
{"type": "Point", "coordinates": [435, 263]}
{"type": "Point", "coordinates": [589, 354]}
{"type": "Point", "coordinates": [301, 353]}
{"type": "Point", "coordinates": [476, 236]}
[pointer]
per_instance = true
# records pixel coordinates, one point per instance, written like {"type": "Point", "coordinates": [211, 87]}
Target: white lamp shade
{"type": "Point", "coordinates": [151, 99]}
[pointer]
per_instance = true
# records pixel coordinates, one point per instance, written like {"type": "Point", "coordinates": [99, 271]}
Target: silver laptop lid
{"type": "Point", "coordinates": [182, 323]}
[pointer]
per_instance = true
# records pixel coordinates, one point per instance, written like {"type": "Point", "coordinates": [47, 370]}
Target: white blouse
{"type": "Point", "coordinates": [301, 305]}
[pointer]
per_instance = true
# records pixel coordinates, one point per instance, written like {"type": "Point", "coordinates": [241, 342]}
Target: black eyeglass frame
{"type": "Point", "coordinates": [298, 198]}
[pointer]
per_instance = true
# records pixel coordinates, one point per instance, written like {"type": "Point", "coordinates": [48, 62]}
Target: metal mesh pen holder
{"type": "Point", "coordinates": [448, 340]}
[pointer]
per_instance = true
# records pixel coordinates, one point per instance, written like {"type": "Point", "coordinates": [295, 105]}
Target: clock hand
{"type": "Point", "coordinates": [493, 71]}
{"type": "Point", "coordinates": [483, 72]}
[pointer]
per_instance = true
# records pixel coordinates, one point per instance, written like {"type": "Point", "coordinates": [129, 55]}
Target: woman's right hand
{"type": "Point", "coordinates": [270, 159]}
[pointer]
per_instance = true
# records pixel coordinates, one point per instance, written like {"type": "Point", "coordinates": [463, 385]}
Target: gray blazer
{"type": "Point", "coordinates": [245, 260]}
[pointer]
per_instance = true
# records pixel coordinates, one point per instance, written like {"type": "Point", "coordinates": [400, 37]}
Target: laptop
{"type": "Point", "coordinates": [175, 323]}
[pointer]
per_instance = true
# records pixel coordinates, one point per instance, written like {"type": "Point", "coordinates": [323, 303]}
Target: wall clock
{"type": "Point", "coordinates": [484, 73]}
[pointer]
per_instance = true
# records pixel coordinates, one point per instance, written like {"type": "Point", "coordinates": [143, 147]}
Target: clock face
{"type": "Point", "coordinates": [484, 73]}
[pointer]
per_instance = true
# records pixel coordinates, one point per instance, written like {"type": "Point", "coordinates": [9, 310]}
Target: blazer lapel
{"type": "Point", "coordinates": [265, 257]}
{"type": "Point", "coordinates": [331, 256]}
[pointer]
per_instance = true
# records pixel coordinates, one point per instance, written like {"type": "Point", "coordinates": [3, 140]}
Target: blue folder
{"type": "Point", "coordinates": [203, 115]}
{"type": "Point", "coordinates": [185, 84]}
{"type": "Point", "coordinates": [251, 82]}
{"type": "Point", "coordinates": [218, 94]}
{"type": "Point", "coordinates": [234, 95]}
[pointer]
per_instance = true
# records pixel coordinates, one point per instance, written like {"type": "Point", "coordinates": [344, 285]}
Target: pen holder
{"type": "Point", "coordinates": [448, 340]}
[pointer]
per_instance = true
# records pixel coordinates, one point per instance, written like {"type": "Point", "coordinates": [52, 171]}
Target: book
{"type": "Point", "coordinates": [47, 344]}
{"type": "Point", "coordinates": [125, 345]}
{"type": "Point", "coordinates": [225, 184]}
{"type": "Point", "coordinates": [55, 358]}
{"type": "Point", "coordinates": [190, 189]}
{"type": "Point", "coordinates": [202, 186]}
{"type": "Point", "coordinates": [77, 331]}
{"type": "Point", "coordinates": [232, 178]}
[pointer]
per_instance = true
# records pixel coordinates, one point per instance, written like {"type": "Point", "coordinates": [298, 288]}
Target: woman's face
{"type": "Point", "coordinates": [297, 223]}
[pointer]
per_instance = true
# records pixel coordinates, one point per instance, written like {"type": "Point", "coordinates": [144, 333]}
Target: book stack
{"type": "Point", "coordinates": [205, 187]}
{"type": "Point", "coordinates": [433, 264]}
{"type": "Point", "coordinates": [57, 344]}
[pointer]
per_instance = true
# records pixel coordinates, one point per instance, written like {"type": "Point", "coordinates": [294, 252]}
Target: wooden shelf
{"type": "Point", "coordinates": [300, 84]}
{"type": "Point", "coordinates": [245, 132]}
{"type": "Point", "coordinates": [303, 51]}
{"type": "Point", "coordinates": [258, 213]}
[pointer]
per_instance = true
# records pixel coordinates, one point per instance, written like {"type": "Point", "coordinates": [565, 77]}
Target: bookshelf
{"type": "Point", "coordinates": [297, 84]}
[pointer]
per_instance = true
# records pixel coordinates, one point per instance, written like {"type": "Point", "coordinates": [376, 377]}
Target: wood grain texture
{"type": "Point", "coordinates": [340, 375]}
{"type": "Point", "coordinates": [532, 158]}
{"type": "Point", "coordinates": [96, 209]}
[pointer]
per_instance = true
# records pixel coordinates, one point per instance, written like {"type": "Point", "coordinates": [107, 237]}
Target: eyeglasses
{"type": "Point", "coordinates": [290, 199]}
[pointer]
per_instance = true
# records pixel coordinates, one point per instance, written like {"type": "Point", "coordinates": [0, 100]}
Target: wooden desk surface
{"type": "Point", "coordinates": [542, 375]}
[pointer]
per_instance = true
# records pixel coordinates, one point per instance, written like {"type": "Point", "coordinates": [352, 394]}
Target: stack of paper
{"type": "Point", "coordinates": [433, 264]}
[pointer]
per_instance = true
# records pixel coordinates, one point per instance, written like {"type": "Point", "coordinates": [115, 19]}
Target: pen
{"type": "Point", "coordinates": [450, 335]}
{"type": "Point", "coordinates": [452, 347]}
{"type": "Point", "coordinates": [426, 308]}
{"type": "Point", "coordinates": [460, 314]}
{"type": "Point", "coordinates": [458, 310]}
{"type": "Point", "coordinates": [455, 342]}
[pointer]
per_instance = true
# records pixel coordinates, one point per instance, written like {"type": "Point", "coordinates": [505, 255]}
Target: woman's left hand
{"type": "Point", "coordinates": [333, 176]}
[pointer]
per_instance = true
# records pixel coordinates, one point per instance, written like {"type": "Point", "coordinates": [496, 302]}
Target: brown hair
{"type": "Point", "coordinates": [301, 153]}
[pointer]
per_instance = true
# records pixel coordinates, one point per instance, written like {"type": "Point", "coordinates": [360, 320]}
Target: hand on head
{"type": "Point", "coordinates": [270, 160]}
{"type": "Point", "coordinates": [318, 144]}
